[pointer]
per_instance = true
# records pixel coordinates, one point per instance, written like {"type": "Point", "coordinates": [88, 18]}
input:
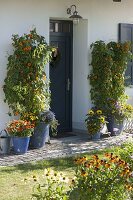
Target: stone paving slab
{"type": "Point", "coordinates": [64, 147]}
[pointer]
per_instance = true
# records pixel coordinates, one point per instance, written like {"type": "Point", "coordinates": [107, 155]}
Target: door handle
{"type": "Point", "coordinates": [68, 84]}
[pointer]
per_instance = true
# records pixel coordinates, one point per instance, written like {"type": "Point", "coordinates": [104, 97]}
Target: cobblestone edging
{"type": "Point", "coordinates": [64, 147]}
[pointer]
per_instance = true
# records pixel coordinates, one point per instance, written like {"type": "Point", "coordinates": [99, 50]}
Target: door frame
{"type": "Point", "coordinates": [60, 34]}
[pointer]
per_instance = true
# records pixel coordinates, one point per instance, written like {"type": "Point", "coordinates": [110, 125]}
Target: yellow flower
{"type": "Point", "coordinates": [44, 77]}
{"type": "Point", "coordinates": [83, 173]}
{"type": "Point", "coordinates": [129, 187]}
{"type": "Point", "coordinates": [129, 107]}
{"type": "Point", "coordinates": [102, 119]}
{"type": "Point", "coordinates": [91, 112]}
{"type": "Point", "coordinates": [99, 112]}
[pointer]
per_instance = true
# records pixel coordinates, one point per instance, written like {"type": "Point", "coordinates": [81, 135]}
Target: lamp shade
{"type": "Point", "coordinates": [74, 14]}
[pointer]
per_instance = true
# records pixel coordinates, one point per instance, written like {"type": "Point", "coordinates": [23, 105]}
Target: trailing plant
{"type": "Point", "coordinates": [109, 63]}
{"type": "Point", "coordinates": [26, 86]}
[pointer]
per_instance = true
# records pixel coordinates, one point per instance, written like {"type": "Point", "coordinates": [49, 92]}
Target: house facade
{"type": "Point", "coordinates": [100, 22]}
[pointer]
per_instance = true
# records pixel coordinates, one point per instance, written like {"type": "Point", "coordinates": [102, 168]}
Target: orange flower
{"type": "Point", "coordinates": [29, 48]}
{"type": "Point", "coordinates": [102, 162]}
{"type": "Point", "coordinates": [107, 165]}
{"type": "Point", "coordinates": [108, 155]}
{"type": "Point", "coordinates": [87, 165]}
{"type": "Point", "coordinates": [129, 187]}
{"type": "Point", "coordinates": [20, 44]}
{"type": "Point", "coordinates": [29, 64]}
{"type": "Point", "coordinates": [97, 165]}
{"type": "Point", "coordinates": [95, 157]}
{"type": "Point", "coordinates": [16, 113]}
{"type": "Point", "coordinates": [96, 168]}
{"type": "Point", "coordinates": [92, 162]}
{"type": "Point", "coordinates": [30, 36]}
{"type": "Point", "coordinates": [80, 160]}
{"type": "Point", "coordinates": [112, 160]}
{"type": "Point", "coordinates": [25, 49]}
{"type": "Point", "coordinates": [83, 173]}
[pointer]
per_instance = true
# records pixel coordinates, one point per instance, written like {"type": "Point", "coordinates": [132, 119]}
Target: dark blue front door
{"type": "Point", "coordinates": [61, 75]}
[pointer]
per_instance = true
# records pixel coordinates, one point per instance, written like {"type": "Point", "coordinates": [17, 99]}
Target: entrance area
{"type": "Point", "coordinates": [61, 37]}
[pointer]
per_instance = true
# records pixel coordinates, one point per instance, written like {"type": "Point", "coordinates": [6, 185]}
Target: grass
{"type": "Point", "coordinates": [13, 186]}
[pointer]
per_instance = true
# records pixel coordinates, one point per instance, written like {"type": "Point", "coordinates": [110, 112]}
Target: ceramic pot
{"type": "Point", "coordinates": [113, 127]}
{"type": "Point", "coordinates": [96, 136]}
{"type": "Point", "coordinates": [40, 135]}
{"type": "Point", "coordinates": [20, 144]}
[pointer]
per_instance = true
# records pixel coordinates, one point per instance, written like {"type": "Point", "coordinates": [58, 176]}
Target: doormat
{"type": "Point", "coordinates": [63, 135]}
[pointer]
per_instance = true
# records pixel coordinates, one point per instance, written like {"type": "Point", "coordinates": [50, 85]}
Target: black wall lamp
{"type": "Point", "coordinates": [74, 14]}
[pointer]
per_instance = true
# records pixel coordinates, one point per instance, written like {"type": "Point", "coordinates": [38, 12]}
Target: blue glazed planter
{"type": "Point", "coordinates": [96, 136]}
{"type": "Point", "coordinates": [40, 135]}
{"type": "Point", "coordinates": [113, 127]}
{"type": "Point", "coordinates": [120, 127]}
{"type": "Point", "coordinates": [20, 144]}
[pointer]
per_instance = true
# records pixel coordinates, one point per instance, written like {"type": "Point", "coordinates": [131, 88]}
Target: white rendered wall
{"type": "Point", "coordinates": [19, 16]}
{"type": "Point", "coordinates": [102, 18]}
{"type": "Point", "coordinates": [81, 97]}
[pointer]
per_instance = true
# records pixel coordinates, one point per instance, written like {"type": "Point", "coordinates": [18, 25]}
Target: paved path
{"type": "Point", "coordinates": [64, 147]}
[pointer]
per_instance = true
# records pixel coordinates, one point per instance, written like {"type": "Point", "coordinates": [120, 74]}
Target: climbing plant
{"type": "Point", "coordinates": [26, 86]}
{"type": "Point", "coordinates": [109, 63]}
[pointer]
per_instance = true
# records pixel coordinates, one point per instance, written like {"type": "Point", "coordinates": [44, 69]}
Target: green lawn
{"type": "Point", "coordinates": [13, 186]}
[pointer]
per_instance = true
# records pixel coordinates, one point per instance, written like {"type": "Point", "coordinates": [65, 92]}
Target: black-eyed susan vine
{"type": "Point", "coordinates": [107, 77]}
{"type": "Point", "coordinates": [26, 86]}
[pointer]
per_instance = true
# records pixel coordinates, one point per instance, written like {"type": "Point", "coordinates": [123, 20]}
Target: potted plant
{"type": "Point", "coordinates": [109, 63]}
{"type": "Point", "coordinates": [119, 111]}
{"type": "Point", "coordinates": [95, 121]}
{"type": "Point", "coordinates": [4, 142]}
{"type": "Point", "coordinates": [41, 131]}
{"type": "Point", "coordinates": [26, 86]}
{"type": "Point", "coordinates": [20, 131]}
